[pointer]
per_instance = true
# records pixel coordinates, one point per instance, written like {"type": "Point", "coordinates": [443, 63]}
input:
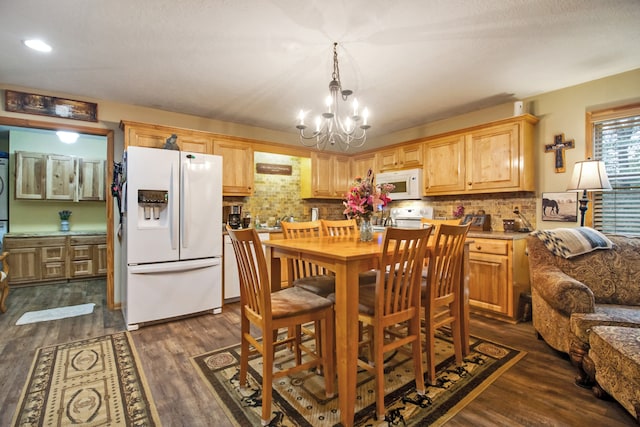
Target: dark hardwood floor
{"type": "Point", "coordinates": [538, 391]}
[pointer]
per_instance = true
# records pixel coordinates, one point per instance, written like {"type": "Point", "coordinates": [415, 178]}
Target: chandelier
{"type": "Point", "coordinates": [331, 128]}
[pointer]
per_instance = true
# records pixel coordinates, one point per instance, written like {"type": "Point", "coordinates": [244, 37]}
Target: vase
{"type": "Point", "coordinates": [366, 230]}
{"type": "Point", "coordinates": [64, 225]}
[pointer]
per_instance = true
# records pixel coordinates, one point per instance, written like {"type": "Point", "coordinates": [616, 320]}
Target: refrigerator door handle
{"type": "Point", "coordinates": [185, 194]}
{"type": "Point", "coordinates": [173, 231]}
{"type": "Point", "coordinates": [169, 267]}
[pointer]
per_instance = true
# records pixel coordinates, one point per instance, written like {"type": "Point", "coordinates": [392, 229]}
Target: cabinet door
{"type": "Point", "coordinates": [322, 175]}
{"type": "Point", "coordinates": [342, 176]}
{"type": "Point", "coordinates": [388, 159]}
{"type": "Point", "coordinates": [91, 179]}
{"type": "Point", "coordinates": [489, 287]}
{"type": "Point", "coordinates": [30, 173]}
{"type": "Point", "coordinates": [445, 165]}
{"type": "Point", "coordinates": [100, 259]}
{"type": "Point", "coordinates": [360, 165]}
{"type": "Point", "coordinates": [493, 158]}
{"type": "Point", "coordinates": [61, 177]}
{"type": "Point", "coordinates": [237, 167]}
{"type": "Point", "coordinates": [411, 156]}
{"type": "Point", "coordinates": [24, 264]}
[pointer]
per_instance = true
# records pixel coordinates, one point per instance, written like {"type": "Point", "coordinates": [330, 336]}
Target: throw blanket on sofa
{"type": "Point", "coordinates": [571, 242]}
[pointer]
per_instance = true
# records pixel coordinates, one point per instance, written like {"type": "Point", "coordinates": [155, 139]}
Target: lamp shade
{"type": "Point", "coordinates": [589, 175]}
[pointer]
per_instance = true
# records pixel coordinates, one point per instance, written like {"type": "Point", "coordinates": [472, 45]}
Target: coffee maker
{"type": "Point", "coordinates": [234, 220]}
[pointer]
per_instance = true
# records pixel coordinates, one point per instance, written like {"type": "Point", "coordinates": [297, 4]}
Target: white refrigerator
{"type": "Point", "coordinates": [172, 233]}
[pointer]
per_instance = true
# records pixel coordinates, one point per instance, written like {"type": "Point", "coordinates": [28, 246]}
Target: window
{"type": "Point", "coordinates": [616, 141]}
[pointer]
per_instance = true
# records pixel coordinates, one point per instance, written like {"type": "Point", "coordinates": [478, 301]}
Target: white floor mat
{"type": "Point", "coordinates": [55, 313]}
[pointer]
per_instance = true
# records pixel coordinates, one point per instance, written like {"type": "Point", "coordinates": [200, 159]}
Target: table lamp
{"type": "Point", "coordinates": [588, 175]}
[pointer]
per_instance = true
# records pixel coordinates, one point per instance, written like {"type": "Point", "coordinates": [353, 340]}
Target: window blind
{"type": "Point", "coordinates": [617, 143]}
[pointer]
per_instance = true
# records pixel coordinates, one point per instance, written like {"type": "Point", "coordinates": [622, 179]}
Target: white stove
{"type": "Point", "coordinates": [410, 216]}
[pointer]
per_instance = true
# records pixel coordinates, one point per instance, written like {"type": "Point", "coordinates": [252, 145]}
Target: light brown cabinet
{"type": "Point", "coordinates": [360, 165]}
{"type": "Point", "coordinates": [237, 166]}
{"type": "Point", "coordinates": [59, 177]}
{"type": "Point", "coordinates": [155, 136]}
{"type": "Point", "coordinates": [497, 157]}
{"type": "Point", "coordinates": [499, 273]}
{"type": "Point", "coordinates": [30, 175]}
{"type": "Point", "coordinates": [47, 258]}
{"type": "Point", "coordinates": [400, 157]}
{"type": "Point", "coordinates": [330, 176]}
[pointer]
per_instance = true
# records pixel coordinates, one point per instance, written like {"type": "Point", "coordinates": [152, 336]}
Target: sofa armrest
{"type": "Point", "coordinates": [562, 292]}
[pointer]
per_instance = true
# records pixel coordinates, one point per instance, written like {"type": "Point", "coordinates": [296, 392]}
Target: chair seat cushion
{"type": "Point", "coordinates": [294, 300]}
{"type": "Point", "coordinates": [320, 285]}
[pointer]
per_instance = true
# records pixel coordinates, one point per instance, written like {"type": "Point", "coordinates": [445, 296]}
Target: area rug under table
{"type": "Point", "coordinates": [299, 399]}
{"type": "Point", "coordinates": [93, 382]}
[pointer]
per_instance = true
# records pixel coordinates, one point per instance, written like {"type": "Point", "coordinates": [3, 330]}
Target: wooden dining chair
{"type": "Point", "coordinates": [269, 311]}
{"type": "Point", "coordinates": [347, 228]}
{"type": "Point", "coordinates": [441, 291]}
{"type": "Point", "coordinates": [395, 300]}
{"type": "Point", "coordinates": [4, 281]}
{"type": "Point", "coordinates": [305, 274]}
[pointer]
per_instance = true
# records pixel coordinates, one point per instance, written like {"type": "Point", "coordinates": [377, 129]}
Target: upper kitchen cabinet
{"type": "Point", "coordinates": [237, 166]}
{"type": "Point", "coordinates": [91, 179]}
{"type": "Point", "coordinates": [497, 157]}
{"type": "Point", "coordinates": [155, 136]}
{"type": "Point", "coordinates": [330, 176]}
{"type": "Point", "coordinates": [30, 174]}
{"type": "Point", "coordinates": [360, 164]}
{"type": "Point", "coordinates": [400, 157]}
{"type": "Point", "coordinates": [61, 177]}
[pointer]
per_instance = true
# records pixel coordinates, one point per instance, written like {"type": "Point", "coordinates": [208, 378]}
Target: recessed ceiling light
{"type": "Point", "coordinates": [67, 137]}
{"type": "Point", "coordinates": [38, 45]}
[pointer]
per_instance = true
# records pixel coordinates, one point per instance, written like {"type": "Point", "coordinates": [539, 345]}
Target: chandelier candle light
{"type": "Point", "coordinates": [330, 127]}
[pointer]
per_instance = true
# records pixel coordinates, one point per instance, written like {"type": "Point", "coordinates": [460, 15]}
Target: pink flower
{"type": "Point", "coordinates": [363, 197]}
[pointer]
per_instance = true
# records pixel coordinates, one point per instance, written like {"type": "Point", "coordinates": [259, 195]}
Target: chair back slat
{"type": "Point", "coordinates": [255, 291]}
{"type": "Point", "coordinates": [340, 227]}
{"type": "Point", "coordinates": [402, 258]}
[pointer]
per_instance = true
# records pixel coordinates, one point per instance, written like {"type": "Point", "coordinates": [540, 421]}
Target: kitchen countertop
{"type": "Point", "coordinates": [53, 233]}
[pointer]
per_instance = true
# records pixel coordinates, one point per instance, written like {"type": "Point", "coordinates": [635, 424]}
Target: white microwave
{"type": "Point", "coordinates": [408, 183]}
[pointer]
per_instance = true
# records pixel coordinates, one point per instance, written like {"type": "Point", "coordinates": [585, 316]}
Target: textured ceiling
{"type": "Point", "coordinates": [259, 62]}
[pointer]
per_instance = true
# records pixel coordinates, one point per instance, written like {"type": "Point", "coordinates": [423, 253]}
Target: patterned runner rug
{"type": "Point", "coordinates": [299, 400]}
{"type": "Point", "coordinates": [93, 382]}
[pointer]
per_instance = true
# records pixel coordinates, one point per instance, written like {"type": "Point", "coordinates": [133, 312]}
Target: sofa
{"type": "Point", "coordinates": [580, 279]}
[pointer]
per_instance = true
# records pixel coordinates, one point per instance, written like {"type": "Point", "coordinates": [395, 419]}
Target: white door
{"type": "Point", "coordinates": [201, 206]}
{"type": "Point", "coordinates": [152, 226]}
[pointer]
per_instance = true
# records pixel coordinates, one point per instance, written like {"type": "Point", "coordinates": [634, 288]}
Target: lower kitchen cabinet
{"type": "Point", "coordinates": [499, 273]}
{"type": "Point", "coordinates": [45, 258]}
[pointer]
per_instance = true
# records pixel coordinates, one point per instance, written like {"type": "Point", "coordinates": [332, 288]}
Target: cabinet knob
{"type": "Point", "coordinates": [468, 183]}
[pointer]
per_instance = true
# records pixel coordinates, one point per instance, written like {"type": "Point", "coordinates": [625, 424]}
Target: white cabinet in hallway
{"type": "Point", "coordinates": [231, 278]}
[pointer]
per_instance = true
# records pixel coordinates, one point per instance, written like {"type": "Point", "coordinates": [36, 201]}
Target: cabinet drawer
{"type": "Point", "coordinates": [34, 242]}
{"type": "Point", "coordinates": [53, 270]}
{"type": "Point", "coordinates": [87, 240]}
{"type": "Point", "coordinates": [53, 253]}
{"type": "Point", "coordinates": [496, 247]}
{"type": "Point", "coordinates": [81, 252]}
{"type": "Point", "coordinates": [81, 268]}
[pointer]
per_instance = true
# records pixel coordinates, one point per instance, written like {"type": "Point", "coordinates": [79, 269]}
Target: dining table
{"type": "Point", "coordinates": [347, 257]}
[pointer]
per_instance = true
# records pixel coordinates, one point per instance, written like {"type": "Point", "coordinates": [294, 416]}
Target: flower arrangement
{"type": "Point", "coordinates": [64, 215]}
{"type": "Point", "coordinates": [458, 212]}
{"type": "Point", "coordinates": [364, 197]}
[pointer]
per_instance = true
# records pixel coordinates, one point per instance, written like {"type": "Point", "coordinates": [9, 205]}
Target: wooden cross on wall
{"type": "Point", "coordinates": [558, 147]}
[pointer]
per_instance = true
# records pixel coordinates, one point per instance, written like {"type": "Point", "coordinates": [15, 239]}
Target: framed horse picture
{"type": "Point", "coordinates": [562, 207]}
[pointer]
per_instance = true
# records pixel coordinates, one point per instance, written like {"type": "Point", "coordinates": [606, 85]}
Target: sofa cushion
{"type": "Point", "coordinates": [581, 324]}
{"type": "Point", "coordinates": [571, 242]}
